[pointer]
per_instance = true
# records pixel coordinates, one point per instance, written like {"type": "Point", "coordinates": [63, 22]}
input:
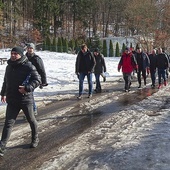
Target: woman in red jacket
{"type": "Point", "coordinates": [127, 63]}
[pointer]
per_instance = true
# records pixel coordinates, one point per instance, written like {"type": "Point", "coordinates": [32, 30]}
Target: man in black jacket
{"type": "Point", "coordinates": [20, 80]}
{"type": "Point", "coordinates": [100, 67]}
{"type": "Point", "coordinates": [85, 64]}
{"type": "Point", "coordinates": [39, 65]}
{"type": "Point", "coordinates": [162, 63]}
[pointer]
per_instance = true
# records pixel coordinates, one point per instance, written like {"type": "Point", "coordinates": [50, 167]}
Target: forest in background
{"type": "Point", "coordinates": [83, 20]}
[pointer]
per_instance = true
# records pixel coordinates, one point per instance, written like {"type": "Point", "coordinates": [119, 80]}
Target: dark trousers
{"type": "Point", "coordinates": [161, 74]}
{"type": "Point", "coordinates": [143, 75]}
{"type": "Point", "coordinates": [127, 78]}
{"type": "Point", "coordinates": [98, 85]}
{"type": "Point", "coordinates": [12, 112]}
{"type": "Point", "coordinates": [153, 76]}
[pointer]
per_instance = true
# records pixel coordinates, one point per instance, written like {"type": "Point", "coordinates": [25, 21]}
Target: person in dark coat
{"type": "Point", "coordinates": [100, 67]}
{"type": "Point", "coordinates": [162, 63]}
{"type": "Point", "coordinates": [152, 68]}
{"type": "Point", "coordinates": [39, 65]}
{"type": "Point", "coordinates": [20, 80]}
{"type": "Point", "coordinates": [143, 65]}
{"type": "Point", "coordinates": [127, 63]}
{"type": "Point", "coordinates": [85, 63]}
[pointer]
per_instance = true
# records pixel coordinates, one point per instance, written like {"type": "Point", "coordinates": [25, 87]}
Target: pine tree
{"type": "Point", "coordinates": [59, 45]}
{"type": "Point", "coordinates": [117, 50]}
{"type": "Point", "coordinates": [123, 47]}
{"type": "Point", "coordinates": [48, 43]}
{"type": "Point", "coordinates": [104, 48]}
{"type": "Point", "coordinates": [65, 45]}
{"type": "Point", "coordinates": [111, 49]}
{"type": "Point", "coordinates": [54, 45]}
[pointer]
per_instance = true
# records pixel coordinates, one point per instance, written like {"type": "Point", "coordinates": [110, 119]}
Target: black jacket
{"type": "Point", "coordinates": [100, 66]}
{"type": "Point", "coordinates": [85, 62]}
{"type": "Point", "coordinates": [16, 73]}
{"type": "Point", "coordinates": [162, 61]}
{"type": "Point", "coordinates": [39, 65]}
{"type": "Point", "coordinates": [152, 59]}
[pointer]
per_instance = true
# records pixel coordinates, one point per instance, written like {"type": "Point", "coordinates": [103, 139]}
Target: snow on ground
{"type": "Point", "coordinates": [61, 77]}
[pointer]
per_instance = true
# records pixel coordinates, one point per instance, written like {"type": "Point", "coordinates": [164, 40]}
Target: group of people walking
{"type": "Point", "coordinates": [87, 63]}
{"type": "Point", "coordinates": [26, 72]}
{"type": "Point", "coordinates": [156, 63]}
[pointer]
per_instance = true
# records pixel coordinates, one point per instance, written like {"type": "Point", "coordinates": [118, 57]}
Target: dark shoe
{"type": "Point", "coordinates": [79, 97]}
{"type": "Point", "coordinates": [90, 95]}
{"type": "Point", "coordinates": [34, 143]}
{"type": "Point", "coordinates": [139, 86]}
{"type": "Point", "coordinates": [2, 150]}
{"type": "Point", "coordinates": [153, 86]}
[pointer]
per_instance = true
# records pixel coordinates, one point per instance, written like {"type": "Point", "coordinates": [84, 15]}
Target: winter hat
{"type": "Point", "coordinates": [96, 50]}
{"type": "Point", "coordinates": [31, 45]}
{"type": "Point", "coordinates": [127, 49]}
{"type": "Point", "coordinates": [18, 50]}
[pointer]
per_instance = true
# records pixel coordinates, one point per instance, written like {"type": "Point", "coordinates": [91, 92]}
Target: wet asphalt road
{"type": "Point", "coordinates": [58, 130]}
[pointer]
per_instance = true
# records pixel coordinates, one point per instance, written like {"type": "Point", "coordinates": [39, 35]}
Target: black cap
{"type": "Point", "coordinates": [18, 50]}
{"type": "Point", "coordinates": [127, 49]}
{"type": "Point", "coordinates": [96, 50]}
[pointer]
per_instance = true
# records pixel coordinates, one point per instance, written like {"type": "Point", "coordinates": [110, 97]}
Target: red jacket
{"type": "Point", "coordinates": [127, 63]}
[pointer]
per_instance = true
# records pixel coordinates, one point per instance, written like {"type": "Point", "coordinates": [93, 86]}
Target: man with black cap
{"type": "Point", "coordinates": [38, 63]}
{"type": "Point", "coordinates": [99, 68]}
{"type": "Point", "coordinates": [20, 80]}
{"type": "Point", "coordinates": [127, 63]}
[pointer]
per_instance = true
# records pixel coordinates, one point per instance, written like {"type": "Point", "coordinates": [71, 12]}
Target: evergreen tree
{"type": "Point", "coordinates": [123, 47]}
{"type": "Point", "coordinates": [54, 45]}
{"type": "Point", "coordinates": [48, 43]}
{"type": "Point", "coordinates": [72, 44]}
{"type": "Point", "coordinates": [65, 45]}
{"type": "Point", "coordinates": [59, 45]}
{"type": "Point", "coordinates": [111, 49]}
{"type": "Point", "coordinates": [117, 54]}
{"type": "Point", "coordinates": [104, 48]}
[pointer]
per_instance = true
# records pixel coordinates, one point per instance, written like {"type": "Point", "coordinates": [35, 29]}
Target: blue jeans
{"type": "Point", "coordinates": [161, 74]}
{"type": "Point", "coordinates": [81, 80]}
{"type": "Point", "coordinates": [98, 85]}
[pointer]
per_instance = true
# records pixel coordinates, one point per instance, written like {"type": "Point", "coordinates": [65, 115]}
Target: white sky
{"type": "Point", "coordinates": [60, 70]}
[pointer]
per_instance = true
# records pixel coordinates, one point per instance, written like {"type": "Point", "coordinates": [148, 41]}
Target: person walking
{"type": "Point", "coordinates": [85, 63]}
{"type": "Point", "coordinates": [100, 67]}
{"type": "Point", "coordinates": [162, 63]}
{"type": "Point", "coordinates": [20, 80]}
{"type": "Point", "coordinates": [127, 63]}
{"type": "Point", "coordinates": [143, 65]}
{"type": "Point", "coordinates": [152, 68]}
{"type": "Point", "coordinates": [39, 65]}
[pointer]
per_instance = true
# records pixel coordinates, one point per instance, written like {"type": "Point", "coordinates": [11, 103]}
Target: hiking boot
{"type": "Point", "coordinates": [34, 143]}
{"type": "Point", "coordinates": [2, 150]}
{"type": "Point", "coordinates": [139, 86]}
